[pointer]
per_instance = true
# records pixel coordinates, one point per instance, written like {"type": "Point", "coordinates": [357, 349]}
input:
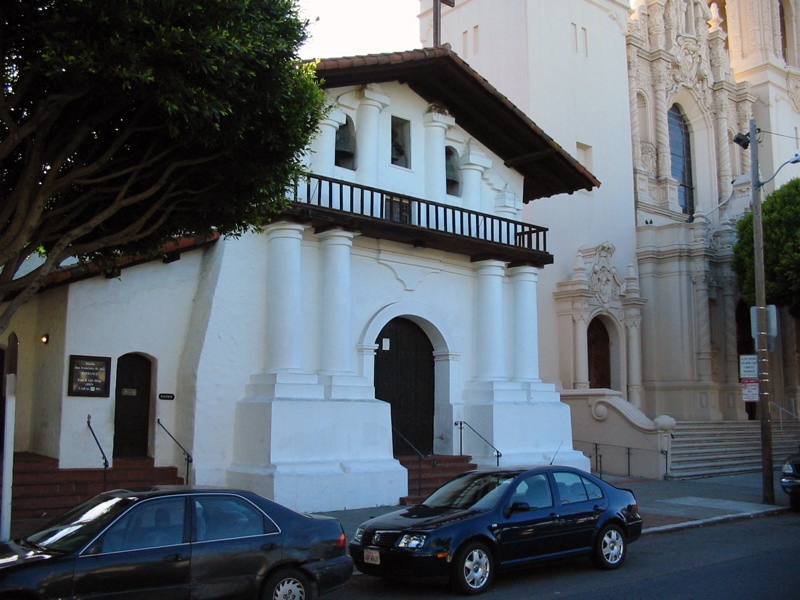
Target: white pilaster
{"type": "Point", "coordinates": [491, 322]}
{"type": "Point", "coordinates": [371, 102]}
{"type": "Point", "coordinates": [436, 125]}
{"type": "Point", "coordinates": [284, 305]}
{"type": "Point", "coordinates": [323, 147]}
{"type": "Point", "coordinates": [525, 326]}
{"type": "Point", "coordinates": [473, 164]}
{"type": "Point", "coordinates": [336, 302]}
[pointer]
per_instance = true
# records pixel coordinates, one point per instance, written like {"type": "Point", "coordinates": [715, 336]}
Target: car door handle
{"type": "Point", "coordinates": [268, 546]}
{"type": "Point", "coordinates": [171, 558]}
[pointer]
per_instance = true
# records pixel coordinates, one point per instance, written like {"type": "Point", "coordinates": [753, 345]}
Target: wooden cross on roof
{"type": "Point", "coordinates": [437, 19]}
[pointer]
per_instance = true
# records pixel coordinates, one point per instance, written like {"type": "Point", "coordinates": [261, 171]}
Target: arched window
{"type": "Point", "coordinates": [680, 151]}
{"type": "Point", "coordinates": [788, 37]}
{"type": "Point", "coordinates": [453, 171]}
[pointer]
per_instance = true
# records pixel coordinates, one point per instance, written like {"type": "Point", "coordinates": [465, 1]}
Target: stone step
{"type": "Point", "coordinates": [427, 475]}
{"type": "Point", "coordinates": [41, 490]}
{"type": "Point", "coordinates": [701, 449]}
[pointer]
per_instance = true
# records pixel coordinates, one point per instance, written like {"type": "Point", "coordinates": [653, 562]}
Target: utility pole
{"type": "Point", "coordinates": [762, 347]}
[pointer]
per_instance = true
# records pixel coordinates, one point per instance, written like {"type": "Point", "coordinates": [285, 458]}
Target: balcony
{"type": "Point", "coordinates": [327, 203]}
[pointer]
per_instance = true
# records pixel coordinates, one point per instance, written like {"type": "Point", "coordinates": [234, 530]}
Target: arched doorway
{"type": "Point", "coordinates": [404, 377]}
{"type": "Point", "coordinates": [132, 407]}
{"type": "Point", "coordinates": [599, 355]}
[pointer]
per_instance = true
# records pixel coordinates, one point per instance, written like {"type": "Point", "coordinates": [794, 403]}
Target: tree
{"type": "Point", "coordinates": [781, 219]}
{"type": "Point", "coordinates": [127, 123]}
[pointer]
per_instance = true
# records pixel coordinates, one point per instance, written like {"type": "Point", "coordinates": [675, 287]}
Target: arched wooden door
{"type": "Point", "coordinates": [599, 355]}
{"type": "Point", "coordinates": [132, 407]}
{"type": "Point", "coordinates": [404, 377]}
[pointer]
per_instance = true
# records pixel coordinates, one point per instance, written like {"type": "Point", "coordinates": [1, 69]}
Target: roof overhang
{"type": "Point", "coordinates": [439, 75]}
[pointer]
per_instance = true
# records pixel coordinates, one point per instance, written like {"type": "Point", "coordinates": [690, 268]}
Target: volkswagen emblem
{"type": "Point", "coordinates": [376, 538]}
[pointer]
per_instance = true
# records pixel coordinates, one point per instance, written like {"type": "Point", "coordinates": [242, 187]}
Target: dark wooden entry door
{"type": "Point", "coordinates": [404, 378]}
{"type": "Point", "coordinates": [599, 355]}
{"type": "Point", "coordinates": [132, 407]}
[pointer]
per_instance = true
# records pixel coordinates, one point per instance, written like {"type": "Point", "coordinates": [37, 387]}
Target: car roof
{"type": "Point", "coordinates": [172, 490]}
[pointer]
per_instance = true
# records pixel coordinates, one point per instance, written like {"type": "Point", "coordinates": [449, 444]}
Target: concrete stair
{"type": "Point", "coordinates": [429, 474]}
{"type": "Point", "coordinates": [704, 449]}
{"type": "Point", "coordinates": [41, 490]}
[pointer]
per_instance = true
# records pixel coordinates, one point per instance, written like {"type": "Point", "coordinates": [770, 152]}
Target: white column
{"type": "Point", "coordinates": [525, 327]}
{"type": "Point", "coordinates": [371, 102]}
{"type": "Point", "coordinates": [436, 124]}
{"type": "Point", "coordinates": [491, 322]}
{"type": "Point", "coordinates": [336, 302]}
{"type": "Point", "coordinates": [581, 342]}
{"type": "Point", "coordinates": [634, 326]}
{"type": "Point", "coordinates": [284, 306]}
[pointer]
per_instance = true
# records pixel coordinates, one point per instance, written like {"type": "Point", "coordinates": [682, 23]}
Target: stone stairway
{"type": "Point", "coordinates": [41, 490]}
{"type": "Point", "coordinates": [703, 449]}
{"type": "Point", "coordinates": [430, 474]}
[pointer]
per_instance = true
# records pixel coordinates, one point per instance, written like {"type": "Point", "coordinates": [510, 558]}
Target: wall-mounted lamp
{"type": "Point", "coordinates": [45, 338]}
{"type": "Point", "coordinates": [742, 139]}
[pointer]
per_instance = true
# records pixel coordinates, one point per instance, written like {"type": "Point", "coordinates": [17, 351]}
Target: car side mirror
{"type": "Point", "coordinates": [520, 507]}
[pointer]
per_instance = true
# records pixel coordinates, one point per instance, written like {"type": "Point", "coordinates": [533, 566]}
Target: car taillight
{"type": "Point", "coordinates": [342, 542]}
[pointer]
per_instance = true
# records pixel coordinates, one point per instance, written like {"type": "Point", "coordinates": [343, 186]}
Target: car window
{"type": "Point", "coordinates": [535, 491]}
{"type": "Point", "coordinates": [570, 487]}
{"type": "Point", "coordinates": [227, 517]}
{"type": "Point", "coordinates": [592, 489]}
{"type": "Point", "coordinates": [72, 530]}
{"type": "Point", "coordinates": [152, 524]}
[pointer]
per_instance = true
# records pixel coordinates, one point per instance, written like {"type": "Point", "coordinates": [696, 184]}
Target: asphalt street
{"type": "Point", "coordinates": [752, 558]}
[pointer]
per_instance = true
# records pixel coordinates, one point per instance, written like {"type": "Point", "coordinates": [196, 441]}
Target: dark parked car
{"type": "Point", "coordinates": [175, 543]}
{"type": "Point", "coordinates": [496, 518]}
{"type": "Point", "coordinates": [790, 479]}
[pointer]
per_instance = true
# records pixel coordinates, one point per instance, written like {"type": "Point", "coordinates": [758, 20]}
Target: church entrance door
{"type": "Point", "coordinates": [599, 355]}
{"type": "Point", "coordinates": [132, 407]}
{"type": "Point", "coordinates": [404, 377]}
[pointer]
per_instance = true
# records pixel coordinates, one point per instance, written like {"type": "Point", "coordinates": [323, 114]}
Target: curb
{"type": "Point", "coordinates": [715, 520]}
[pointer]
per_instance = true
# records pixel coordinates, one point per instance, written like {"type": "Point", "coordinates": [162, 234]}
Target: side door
{"type": "Point", "coordinates": [144, 554]}
{"type": "Point", "coordinates": [532, 523]}
{"type": "Point", "coordinates": [581, 505]}
{"type": "Point", "coordinates": [235, 543]}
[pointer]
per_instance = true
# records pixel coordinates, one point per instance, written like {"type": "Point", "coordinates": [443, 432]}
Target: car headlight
{"type": "Point", "coordinates": [359, 534]}
{"type": "Point", "coordinates": [788, 468]}
{"type": "Point", "coordinates": [412, 540]}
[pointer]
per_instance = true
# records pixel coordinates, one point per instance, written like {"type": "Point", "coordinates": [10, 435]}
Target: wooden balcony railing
{"type": "Point", "coordinates": [422, 222]}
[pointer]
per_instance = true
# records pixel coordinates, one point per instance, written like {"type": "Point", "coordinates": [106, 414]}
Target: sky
{"type": "Point", "coordinates": [350, 27]}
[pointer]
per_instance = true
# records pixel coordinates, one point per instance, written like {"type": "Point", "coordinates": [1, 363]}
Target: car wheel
{"type": "Point", "coordinates": [610, 549]}
{"type": "Point", "coordinates": [794, 502]}
{"type": "Point", "coordinates": [473, 569]}
{"type": "Point", "coordinates": [289, 584]}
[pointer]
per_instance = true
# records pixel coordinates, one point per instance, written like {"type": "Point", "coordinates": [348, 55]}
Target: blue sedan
{"type": "Point", "coordinates": [500, 518]}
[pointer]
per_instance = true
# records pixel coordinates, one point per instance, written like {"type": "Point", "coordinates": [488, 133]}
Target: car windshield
{"type": "Point", "coordinates": [72, 530]}
{"type": "Point", "coordinates": [478, 491]}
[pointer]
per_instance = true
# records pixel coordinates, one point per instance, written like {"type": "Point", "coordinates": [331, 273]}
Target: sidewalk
{"type": "Point", "coordinates": [664, 505]}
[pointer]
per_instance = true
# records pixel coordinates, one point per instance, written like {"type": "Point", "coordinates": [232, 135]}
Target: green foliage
{"type": "Point", "coordinates": [781, 220]}
{"type": "Point", "coordinates": [125, 123]}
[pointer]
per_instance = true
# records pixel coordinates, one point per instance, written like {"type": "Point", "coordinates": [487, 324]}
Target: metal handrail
{"type": "Point", "coordinates": [344, 196]}
{"type": "Point", "coordinates": [782, 410]}
{"type": "Point", "coordinates": [460, 425]}
{"type": "Point", "coordinates": [99, 447]}
{"type": "Point", "coordinates": [420, 457]}
{"type": "Point", "coordinates": [186, 455]}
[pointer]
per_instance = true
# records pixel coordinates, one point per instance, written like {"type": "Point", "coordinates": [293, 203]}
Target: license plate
{"type": "Point", "coordinates": [372, 557]}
